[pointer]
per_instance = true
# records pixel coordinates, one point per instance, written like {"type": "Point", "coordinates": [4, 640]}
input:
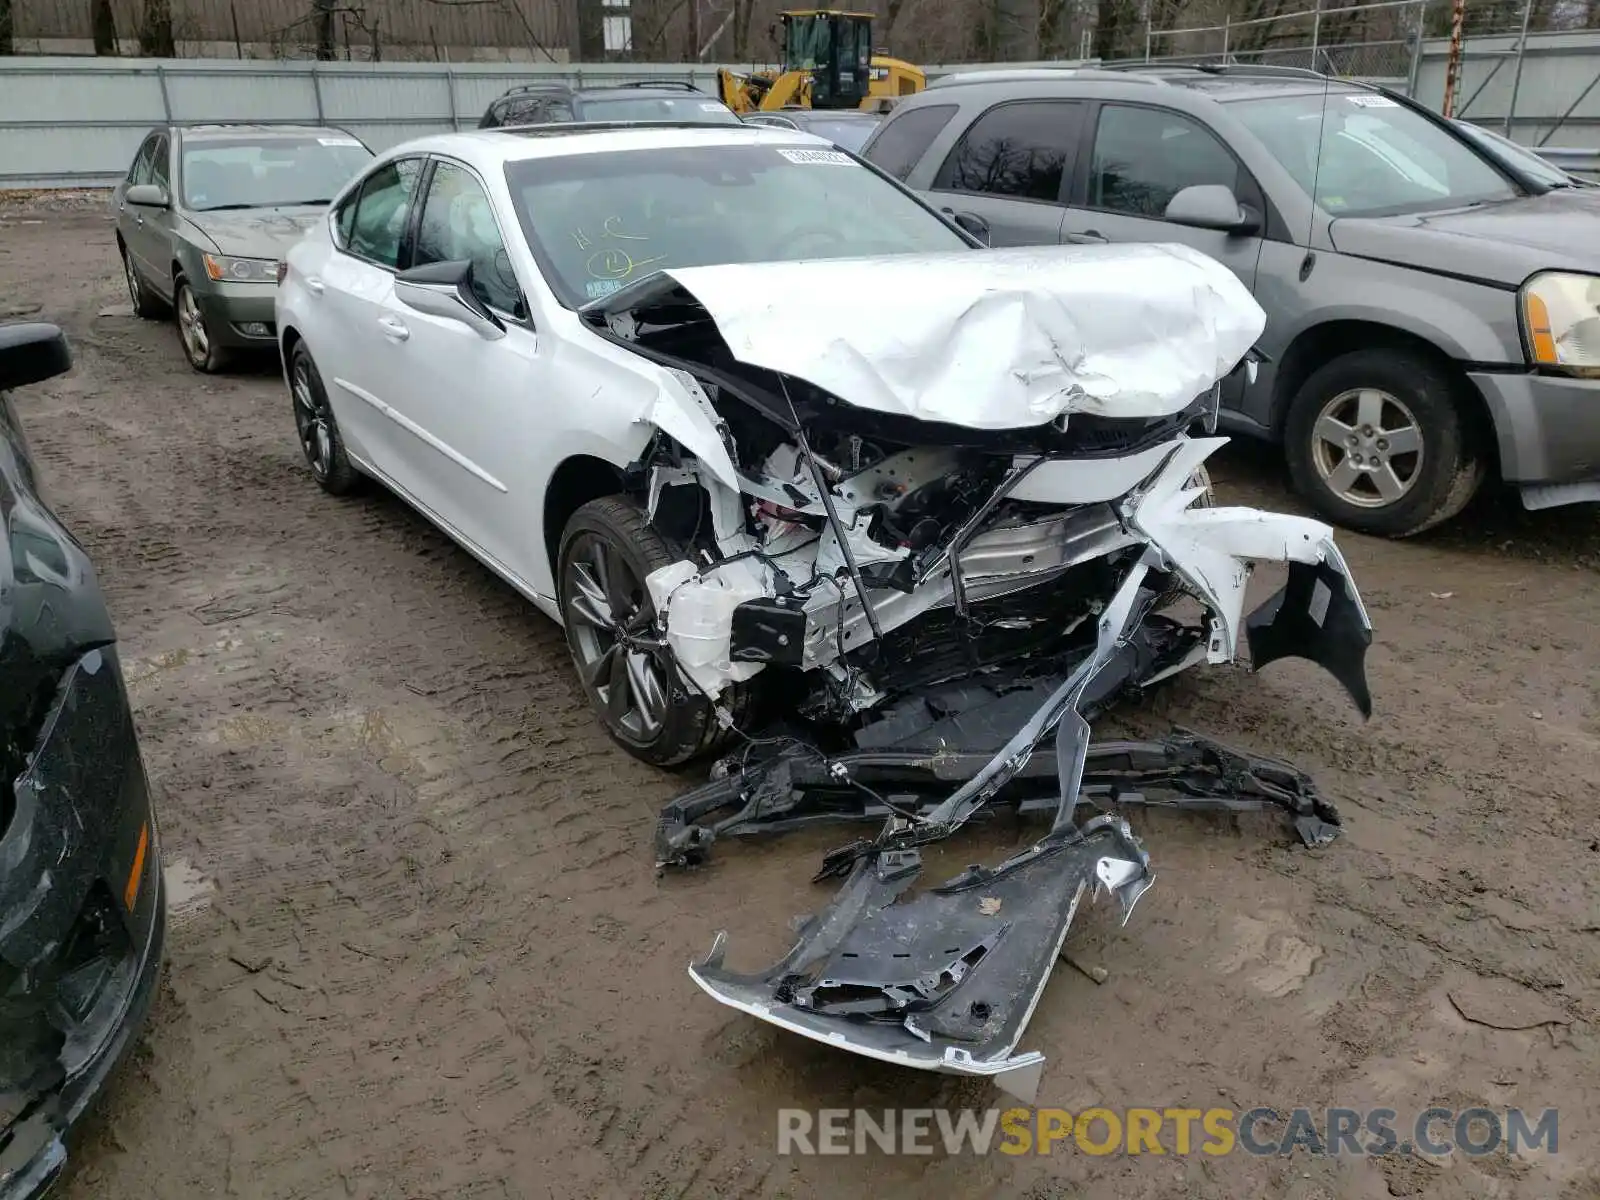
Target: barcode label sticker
{"type": "Point", "coordinates": [832, 158]}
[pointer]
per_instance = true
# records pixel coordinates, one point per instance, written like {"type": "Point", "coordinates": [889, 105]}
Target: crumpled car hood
{"type": "Point", "coordinates": [999, 339]}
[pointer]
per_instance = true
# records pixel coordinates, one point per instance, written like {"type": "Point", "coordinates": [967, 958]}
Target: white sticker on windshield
{"type": "Point", "coordinates": [1367, 100]}
{"type": "Point", "coordinates": [597, 288]}
{"type": "Point", "coordinates": [830, 157]}
{"type": "Point", "coordinates": [713, 106]}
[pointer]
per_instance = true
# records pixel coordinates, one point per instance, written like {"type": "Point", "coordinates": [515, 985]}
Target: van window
{"type": "Point", "coordinates": [1022, 150]}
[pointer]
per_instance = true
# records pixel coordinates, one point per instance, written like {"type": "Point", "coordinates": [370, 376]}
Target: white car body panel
{"type": "Point", "coordinates": [472, 431]}
{"type": "Point", "coordinates": [1118, 331]}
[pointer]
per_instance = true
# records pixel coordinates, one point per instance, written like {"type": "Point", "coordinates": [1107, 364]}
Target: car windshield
{"type": "Point", "coordinates": [600, 221]}
{"type": "Point", "coordinates": [269, 172]}
{"type": "Point", "coordinates": [851, 133]}
{"type": "Point", "coordinates": [1520, 157]}
{"type": "Point", "coordinates": [702, 110]}
{"type": "Point", "coordinates": [1378, 158]}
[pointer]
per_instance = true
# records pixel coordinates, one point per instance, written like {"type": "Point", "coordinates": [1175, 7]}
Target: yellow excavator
{"type": "Point", "coordinates": [827, 63]}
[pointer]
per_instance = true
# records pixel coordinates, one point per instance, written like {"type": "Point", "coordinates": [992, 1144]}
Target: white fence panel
{"type": "Point", "coordinates": [68, 122]}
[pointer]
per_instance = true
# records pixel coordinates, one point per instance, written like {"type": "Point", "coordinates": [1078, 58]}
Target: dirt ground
{"type": "Point", "coordinates": [419, 950]}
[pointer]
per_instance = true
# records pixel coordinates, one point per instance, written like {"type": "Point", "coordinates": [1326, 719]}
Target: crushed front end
{"type": "Point", "coordinates": [81, 903]}
{"type": "Point", "coordinates": [81, 918]}
{"type": "Point", "coordinates": [932, 573]}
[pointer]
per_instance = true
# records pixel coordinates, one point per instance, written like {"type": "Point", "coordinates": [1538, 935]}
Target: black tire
{"type": "Point", "coordinates": [316, 429]}
{"type": "Point", "coordinates": [198, 340]}
{"type": "Point", "coordinates": [146, 304]}
{"type": "Point", "coordinates": [685, 727]}
{"type": "Point", "coordinates": [1390, 492]}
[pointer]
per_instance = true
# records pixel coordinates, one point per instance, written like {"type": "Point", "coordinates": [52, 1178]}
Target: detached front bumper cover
{"type": "Point", "coordinates": [947, 980]}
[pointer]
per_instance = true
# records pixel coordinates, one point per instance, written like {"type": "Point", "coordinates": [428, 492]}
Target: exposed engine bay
{"type": "Point", "coordinates": [922, 604]}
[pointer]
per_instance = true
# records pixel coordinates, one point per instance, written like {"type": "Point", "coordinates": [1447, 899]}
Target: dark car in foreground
{"type": "Point", "coordinates": [205, 214]}
{"type": "Point", "coordinates": [558, 103]}
{"type": "Point", "coordinates": [82, 910]}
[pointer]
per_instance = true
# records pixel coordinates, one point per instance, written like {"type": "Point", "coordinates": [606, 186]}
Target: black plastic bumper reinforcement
{"type": "Point", "coordinates": [800, 788]}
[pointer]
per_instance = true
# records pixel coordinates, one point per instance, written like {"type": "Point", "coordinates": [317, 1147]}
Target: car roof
{"type": "Point", "coordinates": [1220, 82]}
{"type": "Point", "coordinates": [193, 133]}
{"type": "Point", "coordinates": [490, 149]}
{"type": "Point", "coordinates": [643, 87]}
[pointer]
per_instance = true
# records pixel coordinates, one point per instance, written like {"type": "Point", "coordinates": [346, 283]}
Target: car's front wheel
{"type": "Point", "coordinates": [1378, 441]}
{"type": "Point", "coordinates": [315, 427]}
{"type": "Point", "coordinates": [607, 550]}
{"type": "Point", "coordinates": [199, 342]}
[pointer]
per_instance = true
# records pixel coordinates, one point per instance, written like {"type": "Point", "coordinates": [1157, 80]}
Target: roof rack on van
{"type": "Point", "coordinates": [1035, 75]}
{"type": "Point", "coordinates": [654, 83]}
{"type": "Point", "coordinates": [1222, 68]}
{"type": "Point", "coordinates": [523, 89]}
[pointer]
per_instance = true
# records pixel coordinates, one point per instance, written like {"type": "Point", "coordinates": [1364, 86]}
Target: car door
{"type": "Point", "coordinates": [472, 400]}
{"type": "Point", "coordinates": [132, 218]}
{"type": "Point", "coordinates": [351, 333]}
{"type": "Point", "coordinates": [1139, 158]}
{"type": "Point", "coordinates": [160, 223]}
{"type": "Point", "coordinates": [1011, 167]}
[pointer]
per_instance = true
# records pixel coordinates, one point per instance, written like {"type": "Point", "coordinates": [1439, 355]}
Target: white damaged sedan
{"type": "Point", "coordinates": [784, 450]}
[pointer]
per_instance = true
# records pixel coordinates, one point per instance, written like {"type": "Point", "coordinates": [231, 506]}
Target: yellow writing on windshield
{"type": "Point", "coordinates": [612, 262]}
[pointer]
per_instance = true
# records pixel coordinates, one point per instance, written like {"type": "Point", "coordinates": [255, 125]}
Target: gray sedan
{"type": "Point", "coordinates": [205, 214]}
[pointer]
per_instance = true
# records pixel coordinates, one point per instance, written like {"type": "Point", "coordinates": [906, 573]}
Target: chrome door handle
{"type": "Point", "coordinates": [394, 327]}
{"type": "Point", "coordinates": [314, 285]}
{"type": "Point", "coordinates": [1088, 238]}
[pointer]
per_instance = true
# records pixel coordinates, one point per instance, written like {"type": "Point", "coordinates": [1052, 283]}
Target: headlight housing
{"type": "Point", "coordinates": [1561, 322]}
{"type": "Point", "coordinates": [241, 270]}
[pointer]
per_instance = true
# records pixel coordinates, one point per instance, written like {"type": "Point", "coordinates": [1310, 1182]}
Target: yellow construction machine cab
{"type": "Point", "coordinates": [834, 49]}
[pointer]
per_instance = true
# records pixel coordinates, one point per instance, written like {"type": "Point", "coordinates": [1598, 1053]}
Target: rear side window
{"type": "Point", "coordinates": [1024, 151]}
{"type": "Point", "coordinates": [1143, 157]}
{"type": "Point", "coordinates": [905, 138]}
{"type": "Point", "coordinates": [382, 212]}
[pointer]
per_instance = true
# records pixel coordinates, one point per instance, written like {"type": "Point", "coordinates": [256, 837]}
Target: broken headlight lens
{"type": "Point", "coordinates": [1561, 322]}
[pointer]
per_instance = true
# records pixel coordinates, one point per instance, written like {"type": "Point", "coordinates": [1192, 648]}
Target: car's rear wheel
{"type": "Point", "coordinates": [1378, 441]}
{"type": "Point", "coordinates": [607, 550]}
{"type": "Point", "coordinates": [316, 428]}
{"type": "Point", "coordinates": [198, 339]}
{"type": "Point", "coordinates": [146, 304]}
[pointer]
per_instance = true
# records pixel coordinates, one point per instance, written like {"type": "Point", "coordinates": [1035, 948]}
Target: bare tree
{"type": "Point", "coordinates": [322, 20]}
{"type": "Point", "coordinates": [1116, 28]}
{"type": "Point", "coordinates": [103, 24]}
{"type": "Point", "coordinates": [156, 38]}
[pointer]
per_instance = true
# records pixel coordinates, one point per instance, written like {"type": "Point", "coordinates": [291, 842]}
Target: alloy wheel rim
{"type": "Point", "coordinates": [311, 421]}
{"type": "Point", "coordinates": [609, 620]}
{"type": "Point", "coordinates": [133, 281]}
{"type": "Point", "coordinates": [1366, 446]}
{"type": "Point", "coordinates": [193, 326]}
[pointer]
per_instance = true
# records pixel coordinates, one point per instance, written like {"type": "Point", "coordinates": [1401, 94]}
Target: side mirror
{"type": "Point", "coordinates": [971, 222]}
{"type": "Point", "coordinates": [149, 195]}
{"type": "Point", "coordinates": [1211, 206]}
{"type": "Point", "coordinates": [444, 289]}
{"type": "Point", "coordinates": [30, 353]}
